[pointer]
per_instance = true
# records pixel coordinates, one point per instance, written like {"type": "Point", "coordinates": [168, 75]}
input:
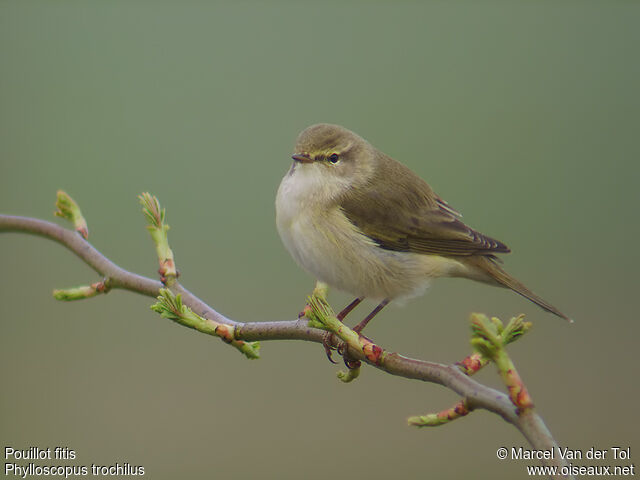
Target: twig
{"type": "Point", "coordinates": [158, 230]}
{"type": "Point", "coordinates": [68, 209]}
{"type": "Point", "coordinates": [484, 332]}
{"type": "Point", "coordinates": [474, 394]}
{"type": "Point", "coordinates": [170, 306]}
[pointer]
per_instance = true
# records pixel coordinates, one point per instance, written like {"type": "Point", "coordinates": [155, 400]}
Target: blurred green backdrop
{"type": "Point", "coordinates": [523, 115]}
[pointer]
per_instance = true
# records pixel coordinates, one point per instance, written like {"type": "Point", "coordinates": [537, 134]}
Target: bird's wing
{"type": "Point", "coordinates": [399, 211]}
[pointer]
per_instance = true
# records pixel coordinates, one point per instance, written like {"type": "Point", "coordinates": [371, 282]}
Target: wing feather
{"type": "Point", "coordinates": [399, 211]}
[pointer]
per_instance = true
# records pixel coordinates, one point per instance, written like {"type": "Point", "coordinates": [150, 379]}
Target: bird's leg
{"type": "Point", "coordinates": [326, 341]}
{"type": "Point", "coordinates": [345, 311]}
{"type": "Point", "coordinates": [359, 327]}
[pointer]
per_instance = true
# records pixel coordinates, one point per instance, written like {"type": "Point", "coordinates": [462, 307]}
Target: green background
{"type": "Point", "coordinates": [525, 116]}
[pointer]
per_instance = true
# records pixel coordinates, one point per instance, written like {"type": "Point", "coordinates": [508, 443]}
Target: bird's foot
{"type": "Point", "coordinates": [327, 343]}
{"type": "Point", "coordinates": [350, 363]}
{"type": "Point", "coordinates": [327, 338]}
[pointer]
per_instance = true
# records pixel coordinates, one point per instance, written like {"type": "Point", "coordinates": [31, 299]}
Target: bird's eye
{"type": "Point", "coordinates": [334, 157]}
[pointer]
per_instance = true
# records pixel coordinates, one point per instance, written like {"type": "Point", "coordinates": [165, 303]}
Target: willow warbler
{"type": "Point", "coordinates": [364, 223]}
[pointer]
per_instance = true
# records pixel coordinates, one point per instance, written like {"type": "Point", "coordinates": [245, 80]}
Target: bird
{"type": "Point", "coordinates": [366, 224]}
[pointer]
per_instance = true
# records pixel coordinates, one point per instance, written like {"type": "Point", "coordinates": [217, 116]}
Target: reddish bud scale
{"type": "Point", "coordinates": [83, 231]}
{"type": "Point", "coordinates": [471, 363]}
{"type": "Point", "coordinates": [99, 287]}
{"type": "Point", "coordinates": [517, 391]}
{"type": "Point", "coordinates": [373, 352]}
{"type": "Point", "coordinates": [458, 410]}
{"type": "Point", "coordinates": [224, 332]}
{"type": "Point", "coordinates": [167, 267]}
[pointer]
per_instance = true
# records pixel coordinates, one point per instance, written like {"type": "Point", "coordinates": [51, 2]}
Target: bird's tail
{"type": "Point", "coordinates": [489, 267]}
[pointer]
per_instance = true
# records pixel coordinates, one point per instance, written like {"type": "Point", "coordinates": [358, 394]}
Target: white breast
{"type": "Point", "coordinates": [321, 239]}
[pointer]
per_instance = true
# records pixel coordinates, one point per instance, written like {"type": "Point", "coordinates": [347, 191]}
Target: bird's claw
{"type": "Point", "coordinates": [350, 363]}
{"type": "Point", "coordinates": [328, 348]}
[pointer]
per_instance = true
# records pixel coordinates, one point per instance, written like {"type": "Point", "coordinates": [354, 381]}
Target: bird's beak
{"type": "Point", "coordinates": [302, 158]}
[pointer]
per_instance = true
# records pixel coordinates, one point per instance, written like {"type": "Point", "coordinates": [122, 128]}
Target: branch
{"type": "Point", "coordinates": [474, 395]}
{"type": "Point", "coordinates": [497, 337]}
